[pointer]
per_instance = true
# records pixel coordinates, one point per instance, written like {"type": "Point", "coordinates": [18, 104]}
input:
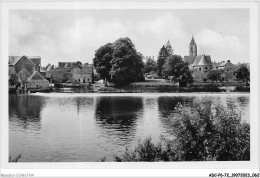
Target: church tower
{"type": "Point", "coordinates": [193, 47]}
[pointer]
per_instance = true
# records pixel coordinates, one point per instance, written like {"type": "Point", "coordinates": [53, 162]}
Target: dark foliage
{"type": "Point", "coordinates": [103, 57]}
{"type": "Point", "coordinates": [13, 80]}
{"type": "Point", "coordinates": [214, 75]}
{"type": "Point", "coordinates": [242, 73]}
{"type": "Point", "coordinates": [119, 62]}
{"type": "Point", "coordinates": [150, 65]}
{"type": "Point", "coordinates": [206, 132]}
{"type": "Point", "coordinates": [14, 159]}
{"type": "Point", "coordinates": [178, 69]}
{"type": "Point", "coordinates": [163, 55]}
{"type": "Point", "coordinates": [127, 69]}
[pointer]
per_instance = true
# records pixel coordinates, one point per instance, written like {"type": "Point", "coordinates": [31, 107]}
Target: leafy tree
{"type": "Point", "coordinates": [150, 65]}
{"type": "Point", "coordinates": [165, 52]}
{"type": "Point", "coordinates": [119, 62]}
{"type": "Point", "coordinates": [178, 69]}
{"type": "Point", "coordinates": [163, 55]}
{"type": "Point", "coordinates": [168, 47]}
{"type": "Point", "coordinates": [214, 75]}
{"type": "Point", "coordinates": [127, 69]}
{"type": "Point", "coordinates": [103, 57]}
{"type": "Point", "coordinates": [199, 76]}
{"type": "Point", "coordinates": [123, 47]}
{"type": "Point", "coordinates": [242, 73]}
{"type": "Point", "coordinates": [78, 64]}
{"type": "Point", "coordinates": [211, 132]}
{"type": "Point", "coordinates": [127, 64]}
{"type": "Point", "coordinates": [66, 77]}
{"type": "Point", "coordinates": [13, 80]}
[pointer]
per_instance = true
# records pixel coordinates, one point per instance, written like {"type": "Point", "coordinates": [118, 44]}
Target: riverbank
{"type": "Point", "coordinates": [173, 89]}
{"type": "Point", "coordinates": [150, 86]}
{"type": "Point", "coordinates": [164, 86]}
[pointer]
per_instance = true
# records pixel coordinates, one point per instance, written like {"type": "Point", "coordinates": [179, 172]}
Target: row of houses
{"type": "Point", "coordinates": [70, 72]}
{"type": "Point", "coordinates": [31, 74]}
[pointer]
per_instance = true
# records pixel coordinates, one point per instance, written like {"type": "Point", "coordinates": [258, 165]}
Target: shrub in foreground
{"type": "Point", "coordinates": [205, 132]}
{"type": "Point", "coordinates": [10, 159]}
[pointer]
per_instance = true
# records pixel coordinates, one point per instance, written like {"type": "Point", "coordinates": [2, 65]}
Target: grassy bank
{"type": "Point", "coordinates": [171, 89]}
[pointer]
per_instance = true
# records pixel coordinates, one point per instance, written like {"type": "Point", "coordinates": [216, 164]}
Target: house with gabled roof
{"type": "Point", "coordinates": [82, 74]}
{"type": "Point", "coordinates": [36, 80]}
{"type": "Point", "coordinates": [20, 62]}
{"type": "Point", "coordinates": [24, 67]}
{"type": "Point", "coordinates": [23, 75]}
{"type": "Point", "coordinates": [62, 65]}
{"type": "Point", "coordinates": [225, 64]}
{"type": "Point", "coordinates": [202, 62]}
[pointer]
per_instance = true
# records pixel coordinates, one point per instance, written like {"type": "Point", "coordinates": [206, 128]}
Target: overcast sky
{"type": "Point", "coordinates": [72, 35]}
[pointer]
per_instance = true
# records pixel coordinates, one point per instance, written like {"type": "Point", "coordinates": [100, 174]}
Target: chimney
{"type": "Point", "coordinates": [228, 60]}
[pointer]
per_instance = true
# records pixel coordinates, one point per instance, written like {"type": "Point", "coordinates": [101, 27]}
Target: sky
{"type": "Point", "coordinates": [75, 35]}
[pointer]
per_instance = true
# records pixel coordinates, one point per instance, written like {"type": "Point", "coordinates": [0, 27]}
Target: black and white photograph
{"type": "Point", "coordinates": [121, 84]}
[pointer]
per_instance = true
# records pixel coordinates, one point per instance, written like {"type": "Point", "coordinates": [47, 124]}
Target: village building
{"type": "Point", "coordinates": [58, 75]}
{"type": "Point", "coordinates": [36, 80]}
{"type": "Point", "coordinates": [47, 68]}
{"type": "Point", "coordinates": [82, 75]}
{"type": "Point", "coordinates": [70, 72]}
{"type": "Point", "coordinates": [66, 65]}
{"type": "Point", "coordinates": [24, 67]}
{"type": "Point", "coordinates": [200, 62]}
{"type": "Point", "coordinates": [23, 75]}
{"type": "Point", "coordinates": [20, 62]}
{"type": "Point", "coordinates": [223, 65]}
{"type": "Point", "coordinates": [37, 62]}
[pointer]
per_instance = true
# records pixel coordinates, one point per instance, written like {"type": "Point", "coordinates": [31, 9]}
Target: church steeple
{"type": "Point", "coordinates": [193, 47]}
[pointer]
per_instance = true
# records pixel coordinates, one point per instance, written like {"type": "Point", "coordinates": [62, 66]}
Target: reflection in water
{"type": "Point", "coordinates": [167, 104]}
{"type": "Point", "coordinates": [167, 107]}
{"type": "Point", "coordinates": [118, 116]}
{"type": "Point", "coordinates": [24, 111]}
{"type": "Point", "coordinates": [85, 127]}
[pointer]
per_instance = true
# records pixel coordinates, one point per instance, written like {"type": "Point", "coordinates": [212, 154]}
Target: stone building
{"type": "Point", "coordinates": [62, 65]}
{"type": "Point", "coordinates": [223, 65]}
{"type": "Point", "coordinates": [58, 75]}
{"type": "Point", "coordinates": [36, 80]}
{"type": "Point", "coordinates": [24, 67]}
{"type": "Point", "coordinates": [200, 62]}
{"type": "Point", "coordinates": [82, 75]}
{"type": "Point", "coordinates": [20, 62]}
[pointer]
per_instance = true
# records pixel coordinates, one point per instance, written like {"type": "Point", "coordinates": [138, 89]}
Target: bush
{"type": "Point", "coordinates": [214, 75]}
{"type": "Point", "coordinates": [205, 132]}
{"type": "Point", "coordinates": [199, 76]}
{"type": "Point", "coordinates": [10, 159]}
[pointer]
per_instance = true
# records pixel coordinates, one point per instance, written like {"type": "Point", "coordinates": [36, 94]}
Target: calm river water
{"type": "Point", "coordinates": [81, 127]}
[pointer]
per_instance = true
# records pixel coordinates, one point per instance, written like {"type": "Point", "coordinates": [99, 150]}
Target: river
{"type": "Point", "coordinates": [85, 127]}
